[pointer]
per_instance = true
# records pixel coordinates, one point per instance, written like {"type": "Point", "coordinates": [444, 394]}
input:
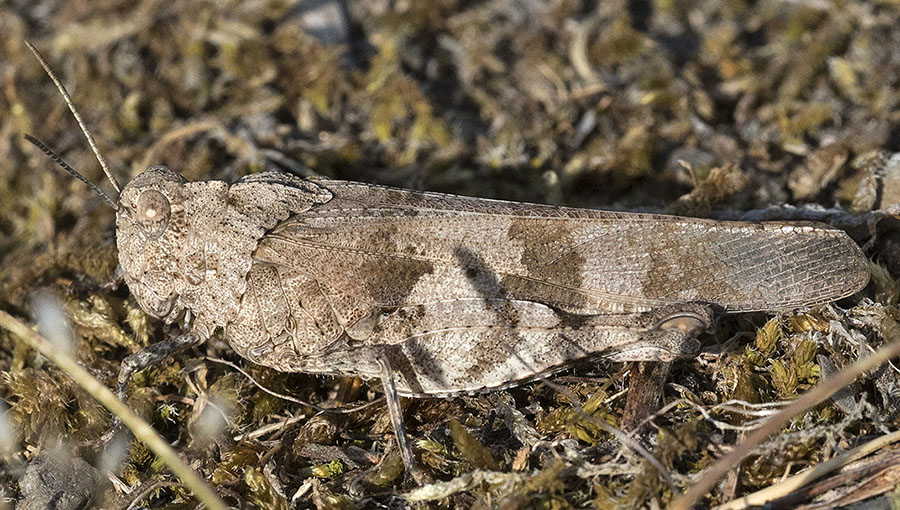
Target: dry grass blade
{"type": "Point", "coordinates": [773, 424]}
{"type": "Point", "coordinates": [141, 429]}
{"type": "Point", "coordinates": [793, 483]}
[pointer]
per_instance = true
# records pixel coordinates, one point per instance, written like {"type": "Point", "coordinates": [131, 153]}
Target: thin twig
{"type": "Point", "coordinates": [335, 410]}
{"type": "Point", "coordinates": [159, 484]}
{"type": "Point", "coordinates": [625, 439]}
{"type": "Point", "coordinates": [271, 427]}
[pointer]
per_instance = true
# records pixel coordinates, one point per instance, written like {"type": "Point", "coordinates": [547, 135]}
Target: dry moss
{"type": "Point", "coordinates": [593, 104]}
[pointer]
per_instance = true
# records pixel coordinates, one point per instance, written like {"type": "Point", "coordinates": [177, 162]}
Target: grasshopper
{"type": "Point", "coordinates": [439, 295]}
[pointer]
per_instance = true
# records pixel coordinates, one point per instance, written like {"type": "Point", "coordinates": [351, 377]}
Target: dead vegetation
{"type": "Point", "coordinates": [694, 107]}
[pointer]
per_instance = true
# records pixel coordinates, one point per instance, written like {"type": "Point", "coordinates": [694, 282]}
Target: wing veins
{"type": "Point", "coordinates": [603, 296]}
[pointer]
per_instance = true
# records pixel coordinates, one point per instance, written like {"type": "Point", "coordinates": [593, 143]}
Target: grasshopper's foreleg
{"type": "Point", "coordinates": [83, 289]}
{"type": "Point", "coordinates": [150, 355]}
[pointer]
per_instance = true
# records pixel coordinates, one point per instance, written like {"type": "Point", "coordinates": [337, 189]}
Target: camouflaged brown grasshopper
{"type": "Point", "coordinates": [438, 295]}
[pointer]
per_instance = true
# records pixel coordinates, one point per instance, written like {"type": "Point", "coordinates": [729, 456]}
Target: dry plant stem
{"type": "Point", "coordinates": [186, 131]}
{"type": "Point", "coordinates": [793, 483]}
{"type": "Point", "coordinates": [818, 394]}
{"type": "Point", "coordinates": [624, 438]}
{"type": "Point", "coordinates": [155, 486]}
{"type": "Point", "coordinates": [272, 427]}
{"type": "Point", "coordinates": [335, 410]}
{"type": "Point", "coordinates": [141, 429]}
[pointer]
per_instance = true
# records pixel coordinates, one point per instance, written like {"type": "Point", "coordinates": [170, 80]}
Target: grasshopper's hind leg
{"type": "Point", "coordinates": [396, 413]}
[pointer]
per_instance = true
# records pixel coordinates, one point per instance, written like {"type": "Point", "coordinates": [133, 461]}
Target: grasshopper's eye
{"type": "Point", "coordinates": [152, 213]}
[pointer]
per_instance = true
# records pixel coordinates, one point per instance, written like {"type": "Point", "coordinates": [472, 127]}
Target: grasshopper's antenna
{"type": "Point", "coordinates": [71, 105]}
{"type": "Point", "coordinates": [65, 166]}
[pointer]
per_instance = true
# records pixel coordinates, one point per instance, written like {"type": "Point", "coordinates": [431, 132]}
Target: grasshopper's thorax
{"type": "Point", "coordinates": [188, 246]}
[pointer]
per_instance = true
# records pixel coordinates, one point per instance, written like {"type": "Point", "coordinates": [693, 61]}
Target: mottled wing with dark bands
{"type": "Point", "coordinates": [391, 247]}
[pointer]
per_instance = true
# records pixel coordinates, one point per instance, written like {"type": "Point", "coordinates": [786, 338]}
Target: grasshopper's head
{"type": "Point", "coordinates": [167, 242]}
{"type": "Point", "coordinates": [151, 238]}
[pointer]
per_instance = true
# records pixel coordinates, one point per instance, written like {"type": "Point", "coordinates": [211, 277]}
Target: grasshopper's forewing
{"type": "Point", "coordinates": [468, 293]}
